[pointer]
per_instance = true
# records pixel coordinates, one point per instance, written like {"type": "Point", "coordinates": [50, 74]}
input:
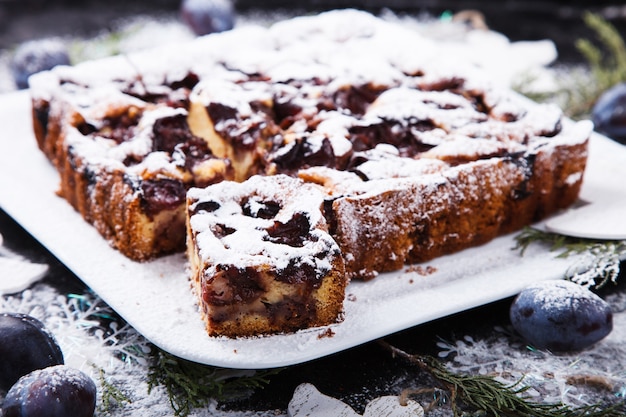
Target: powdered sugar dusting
{"type": "Point", "coordinates": [247, 243]}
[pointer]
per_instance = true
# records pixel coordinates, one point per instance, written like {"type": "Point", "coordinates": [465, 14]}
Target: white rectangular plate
{"type": "Point", "coordinates": [156, 298]}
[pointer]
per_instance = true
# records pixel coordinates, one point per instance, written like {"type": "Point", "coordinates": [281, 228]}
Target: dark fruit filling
{"type": "Point", "coordinates": [243, 133]}
{"type": "Point", "coordinates": [291, 312]}
{"type": "Point", "coordinates": [161, 194]}
{"type": "Point", "coordinates": [188, 82]}
{"type": "Point", "coordinates": [260, 209]}
{"type": "Point", "coordinates": [174, 94]}
{"type": "Point", "coordinates": [285, 111]}
{"type": "Point", "coordinates": [293, 233]}
{"type": "Point", "coordinates": [208, 206]}
{"type": "Point", "coordinates": [171, 131]}
{"type": "Point", "coordinates": [220, 112]}
{"type": "Point", "coordinates": [298, 272]}
{"type": "Point", "coordinates": [394, 133]}
{"type": "Point", "coordinates": [302, 154]}
{"type": "Point", "coordinates": [356, 99]}
{"type": "Point", "coordinates": [221, 230]}
{"type": "Point", "coordinates": [118, 128]}
{"type": "Point", "coordinates": [172, 135]}
{"type": "Point", "coordinates": [237, 286]}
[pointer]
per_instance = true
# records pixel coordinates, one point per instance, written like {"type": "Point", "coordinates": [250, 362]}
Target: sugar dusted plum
{"type": "Point", "coordinates": [57, 391]}
{"type": "Point", "coordinates": [208, 16]}
{"type": "Point", "coordinates": [560, 316]}
{"type": "Point", "coordinates": [35, 56]}
{"type": "Point", "coordinates": [609, 113]}
{"type": "Point", "coordinates": [25, 345]}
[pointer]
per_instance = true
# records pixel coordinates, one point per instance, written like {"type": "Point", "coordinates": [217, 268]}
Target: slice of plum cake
{"type": "Point", "coordinates": [261, 258]}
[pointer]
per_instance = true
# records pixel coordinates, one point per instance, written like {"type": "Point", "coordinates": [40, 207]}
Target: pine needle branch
{"type": "Point", "coordinates": [191, 385]}
{"type": "Point", "coordinates": [484, 395]}
{"type": "Point", "coordinates": [111, 395]}
{"type": "Point", "coordinates": [601, 257]}
{"type": "Point", "coordinates": [607, 61]}
{"type": "Point", "coordinates": [578, 89]}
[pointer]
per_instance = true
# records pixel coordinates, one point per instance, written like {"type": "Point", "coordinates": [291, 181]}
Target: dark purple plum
{"type": "Point", "coordinates": [609, 113]}
{"type": "Point", "coordinates": [208, 16]}
{"type": "Point", "coordinates": [561, 316]}
{"type": "Point", "coordinates": [25, 345]}
{"type": "Point", "coordinates": [36, 56]}
{"type": "Point", "coordinates": [57, 391]}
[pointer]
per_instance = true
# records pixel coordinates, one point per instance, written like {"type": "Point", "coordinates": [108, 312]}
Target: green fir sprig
{"type": "Point", "coordinates": [607, 61]}
{"type": "Point", "coordinates": [192, 385]}
{"type": "Point", "coordinates": [602, 257]}
{"type": "Point", "coordinates": [483, 395]}
{"type": "Point", "coordinates": [110, 394]}
{"type": "Point", "coordinates": [605, 57]}
{"type": "Point", "coordinates": [579, 87]}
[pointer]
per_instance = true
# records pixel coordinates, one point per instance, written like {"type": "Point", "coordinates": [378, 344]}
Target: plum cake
{"type": "Point", "coordinates": [293, 158]}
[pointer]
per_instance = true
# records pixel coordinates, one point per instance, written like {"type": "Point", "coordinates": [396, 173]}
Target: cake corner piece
{"type": "Point", "coordinates": [261, 258]}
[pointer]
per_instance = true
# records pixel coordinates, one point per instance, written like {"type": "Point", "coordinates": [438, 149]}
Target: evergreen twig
{"type": "Point", "coordinates": [603, 256]}
{"type": "Point", "coordinates": [191, 385]}
{"type": "Point", "coordinates": [484, 395]}
{"type": "Point", "coordinates": [111, 395]}
{"type": "Point", "coordinates": [607, 61]}
{"type": "Point", "coordinates": [579, 88]}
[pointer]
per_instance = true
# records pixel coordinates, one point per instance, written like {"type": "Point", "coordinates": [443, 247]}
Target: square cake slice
{"type": "Point", "coordinates": [261, 258]}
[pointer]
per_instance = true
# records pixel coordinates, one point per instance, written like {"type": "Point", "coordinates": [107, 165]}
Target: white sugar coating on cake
{"type": "Point", "coordinates": [406, 198]}
{"type": "Point", "coordinates": [278, 188]}
{"type": "Point", "coordinates": [572, 133]}
{"type": "Point", "coordinates": [395, 167]}
{"type": "Point", "coordinates": [335, 182]}
{"type": "Point", "coordinates": [98, 102]}
{"type": "Point", "coordinates": [539, 120]}
{"type": "Point", "coordinates": [293, 70]}
{"type": "Point", "coordinates": [473, 148]}
{"type": "Point", "coordinates": [502, 105]}
{"type": "Point", "coordinates": [88, 73]}
{"type": "Point", "coordinates": [338, 26]}
{"type": "Point", "coordinates": [238, 96]}
{"type": "Point", "coordinates": [247, 242]}
{"type": "Point", "coordinates": [334, 123]}
{"type": "Point", "coordinates": [104, 152]}
{"type": "Point", "coordinates": [445, 109]}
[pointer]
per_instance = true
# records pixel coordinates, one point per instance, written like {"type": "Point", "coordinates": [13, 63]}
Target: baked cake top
{"type": "Point", "coordinates": [324, 90]}
{"type": "Point", "coordinates": [275, 222]}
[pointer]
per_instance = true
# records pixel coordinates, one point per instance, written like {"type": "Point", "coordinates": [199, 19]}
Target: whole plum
{"type": "Point", "coordinates": [609, 113]}
{"type": "Point", "coordinates": [208, 16]}
{"type": "Point", "coordinates": [57, 391]}
{"type": "Point", "coordinates": [560, 316]}
{"type": "Point", "coordinates": [25, 345]}
{"type": "Point", "coordinates": [34, 56]}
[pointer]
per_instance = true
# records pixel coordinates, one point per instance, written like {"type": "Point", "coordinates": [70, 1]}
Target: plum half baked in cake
{"type": "Point", "coordinates": [345, 149]}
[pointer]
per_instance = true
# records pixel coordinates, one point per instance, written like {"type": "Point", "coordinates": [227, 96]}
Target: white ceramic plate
{"type": "Point", "coordinates": [156, 298]}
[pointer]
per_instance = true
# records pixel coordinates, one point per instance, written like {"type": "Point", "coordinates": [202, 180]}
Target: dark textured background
{"type": "Point", "coordinates": [558, 20]}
